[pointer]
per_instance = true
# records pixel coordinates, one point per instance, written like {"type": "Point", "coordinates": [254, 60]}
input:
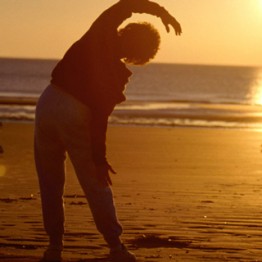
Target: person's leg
{"type": "Point", "coordinates": [49, 161]}
{"type": "Point", "coordinates": [100, 199]}
{"type": "Point", "coordinates": [50, 169]}
{"type": "Point", "coordinates": [99, 196]}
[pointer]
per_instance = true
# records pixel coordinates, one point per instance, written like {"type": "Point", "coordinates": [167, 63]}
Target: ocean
{"type": "Point", "coordinates": [158, 94]}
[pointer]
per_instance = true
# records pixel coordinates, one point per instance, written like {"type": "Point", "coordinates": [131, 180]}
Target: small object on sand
{"type": "Point", "coordinates": [8, 200]}
{"type": "Point", "coordinates": [1, 148]}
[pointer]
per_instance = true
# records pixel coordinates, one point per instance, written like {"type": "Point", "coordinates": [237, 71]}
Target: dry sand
{"type": "Point", "coordinates": [182, 194]}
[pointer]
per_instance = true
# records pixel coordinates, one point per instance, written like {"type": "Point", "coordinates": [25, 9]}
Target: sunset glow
{"type": "Point", "coordinates": [257, 89]}
{"type": "Point", "coordinates": [260, 4]}
{"type": "Point", "coordinates": [2, 170]}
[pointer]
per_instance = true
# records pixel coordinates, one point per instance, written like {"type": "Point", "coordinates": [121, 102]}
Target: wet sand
{"type": "Point", "coordinates": [182, 194]}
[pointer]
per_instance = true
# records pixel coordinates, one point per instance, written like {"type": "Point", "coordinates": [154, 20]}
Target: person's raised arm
{"type": "Point", "coordinates": [152, 8]}
{"type": "Point", "coordinates": [114, 16]}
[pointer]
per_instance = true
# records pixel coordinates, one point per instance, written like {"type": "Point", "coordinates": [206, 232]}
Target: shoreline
{"type": "Point", "coordinates": [161, 114]}
{"type": "Point", "coordinates": [182, 194]}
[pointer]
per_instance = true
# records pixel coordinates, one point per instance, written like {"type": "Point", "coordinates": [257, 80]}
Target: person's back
{"type": "Point", "coordinates": [91, 69]}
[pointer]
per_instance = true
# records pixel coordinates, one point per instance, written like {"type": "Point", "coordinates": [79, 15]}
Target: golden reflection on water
{"type": "Point", "coordinates": [2, 170]}
{"type": "Point", "coordinates": [257, 89]}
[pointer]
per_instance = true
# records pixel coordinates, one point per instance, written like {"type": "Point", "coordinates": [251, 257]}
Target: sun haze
{"type": "Point", "coordinates": [214, 32]}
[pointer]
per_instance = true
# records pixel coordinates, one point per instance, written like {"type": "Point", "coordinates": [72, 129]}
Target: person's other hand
{"type": "Point", "coordinates": [103, 174]}
{"type": "Point", "coordinates": [170, 20]}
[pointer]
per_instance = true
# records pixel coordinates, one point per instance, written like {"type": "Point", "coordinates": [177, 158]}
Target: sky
{"type": "Point", "coordinates": [217, 32]}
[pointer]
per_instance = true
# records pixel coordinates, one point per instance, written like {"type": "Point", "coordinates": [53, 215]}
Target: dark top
{"type": "Point", "coordinates": [92, 70]}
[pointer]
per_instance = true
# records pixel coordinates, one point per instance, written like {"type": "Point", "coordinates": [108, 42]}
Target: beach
{"type": "Point", "coordinates": [182, 194]}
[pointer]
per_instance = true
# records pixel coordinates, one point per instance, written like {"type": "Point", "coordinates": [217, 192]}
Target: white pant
{"type": "Point", "coordinates": [63, 125]}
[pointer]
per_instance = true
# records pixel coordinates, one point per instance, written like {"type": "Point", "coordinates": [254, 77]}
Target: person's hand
{"type": "Point", "coordinates": [170, 20]}
{"type": "Point", "coordinates": [103, 174]}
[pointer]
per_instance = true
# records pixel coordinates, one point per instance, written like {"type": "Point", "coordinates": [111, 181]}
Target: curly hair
{"type": "Point", "coordinates": [141, 42]}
